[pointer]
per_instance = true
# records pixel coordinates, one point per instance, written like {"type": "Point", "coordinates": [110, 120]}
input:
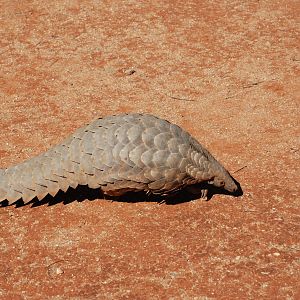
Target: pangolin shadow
{"type": "Point", "coordinates": [84, 193]}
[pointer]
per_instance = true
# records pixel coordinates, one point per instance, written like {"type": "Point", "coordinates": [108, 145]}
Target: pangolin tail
{"type": "Point", "coordinates": [44, 174]}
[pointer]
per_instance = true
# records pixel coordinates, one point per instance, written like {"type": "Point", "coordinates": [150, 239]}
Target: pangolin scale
{"type": "Point", "coordinates": [121, 153]}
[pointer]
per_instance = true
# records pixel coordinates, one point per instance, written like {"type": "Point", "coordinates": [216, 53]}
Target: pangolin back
{"type": "Point", "coordinates": [128, 152]}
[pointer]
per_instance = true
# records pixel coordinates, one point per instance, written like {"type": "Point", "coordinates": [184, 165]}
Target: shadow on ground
{"type": "Point", "coordinates": [83, 192]}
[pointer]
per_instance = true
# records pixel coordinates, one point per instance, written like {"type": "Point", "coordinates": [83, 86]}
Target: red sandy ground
{"type": "Point", "coordinates": [226, 71]}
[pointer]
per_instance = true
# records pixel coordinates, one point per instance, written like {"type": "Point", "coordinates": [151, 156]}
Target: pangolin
{"type": "Point", "coordinates": [120, 153]}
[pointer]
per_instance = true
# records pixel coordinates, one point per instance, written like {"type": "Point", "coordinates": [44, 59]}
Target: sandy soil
{"type": "Point", "coordinates": [226, 71]}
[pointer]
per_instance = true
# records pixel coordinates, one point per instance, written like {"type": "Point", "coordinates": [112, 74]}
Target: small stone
{"type": "Point", "coordinates": [54, 270]}
{"type": "Point", "coordinates": [59, 271]}
{"type": "Point", "coordinates": [265, 273]}
{"type": "Point", "coordinates": [129, 72]}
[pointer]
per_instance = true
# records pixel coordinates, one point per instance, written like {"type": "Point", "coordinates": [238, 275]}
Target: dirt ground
{"type": "Point", "coordinates": [227, 72]}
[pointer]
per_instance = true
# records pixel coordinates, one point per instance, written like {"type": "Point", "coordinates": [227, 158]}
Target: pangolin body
{"type": "Point", "coordinates": [128, 152]}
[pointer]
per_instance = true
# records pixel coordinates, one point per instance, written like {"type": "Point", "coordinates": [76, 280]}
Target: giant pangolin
{"type": "Point", "coordinates": [127, 152]}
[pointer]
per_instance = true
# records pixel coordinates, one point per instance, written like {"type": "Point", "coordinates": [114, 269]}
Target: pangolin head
{"type": "Point", "coordinates": [226, 182]}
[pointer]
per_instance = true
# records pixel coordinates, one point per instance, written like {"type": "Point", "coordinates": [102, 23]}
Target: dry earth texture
{"type": "Point", "coordinates": [227, 72]}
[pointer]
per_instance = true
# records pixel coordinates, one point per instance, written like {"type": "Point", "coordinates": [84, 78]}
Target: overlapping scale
{"type": "Point", "coordinates": [118, 154]}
